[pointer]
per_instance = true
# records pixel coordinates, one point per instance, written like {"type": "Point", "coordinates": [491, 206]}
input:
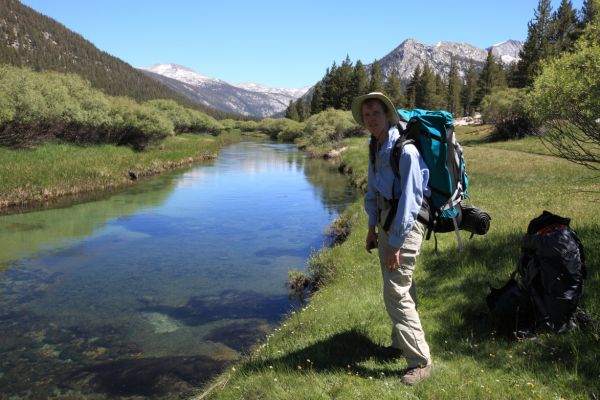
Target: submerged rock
{"type": "Point", "coordinates": [161, 323]}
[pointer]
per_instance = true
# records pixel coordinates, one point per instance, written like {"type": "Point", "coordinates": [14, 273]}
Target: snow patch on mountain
{"type": "Point", "coordinates": [411, 53]}
{"type": "Point", "coordinates": [507, 51]}
{"type": "Point", "coordinates": [255, 87]}
{"type": "Point", "coordinates": [180, 73]}
{"type": "Point", "coordinates": [246, 99]}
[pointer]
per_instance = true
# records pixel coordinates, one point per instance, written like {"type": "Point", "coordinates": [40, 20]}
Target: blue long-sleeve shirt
{"type": "Point", "coordinates": [409, 189]}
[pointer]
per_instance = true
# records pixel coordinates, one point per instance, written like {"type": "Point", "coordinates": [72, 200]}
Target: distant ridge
{"type": "Point", "coordinates": [246, 99]}
{"type": "Point", "coordinates": [30, 39]}
{"type": "Point", "coordinates": [412, 53]}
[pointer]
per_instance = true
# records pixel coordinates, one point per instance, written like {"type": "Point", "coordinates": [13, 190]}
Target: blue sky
{"type": "Point", "coordinates": [281, 43]}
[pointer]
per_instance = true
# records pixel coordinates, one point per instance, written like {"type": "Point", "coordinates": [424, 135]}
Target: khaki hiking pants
{"type": "Point", "coordinates": [399, 296]}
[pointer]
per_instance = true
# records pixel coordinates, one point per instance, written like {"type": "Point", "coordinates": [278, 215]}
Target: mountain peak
{"type": "Point", "coordinates": [180, 73]}
{"type": "Point", "coordinates": [245, 98]}
{"type": "Point", "coordinates": [411, 53]}
{"type": "Point", "coordinates": [507, 51]}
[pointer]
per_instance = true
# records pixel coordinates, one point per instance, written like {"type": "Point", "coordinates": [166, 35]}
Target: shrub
{"type": "Point", "coordinates": [274, 126]}
{"type": "Point", "coordinates": [185, 119]}
{"type": "Point", "coordinates": [565, 97]}
{"type": "Point", "coordinates": [504, 108]}
{"type": "Point", "coordinates": [37, 106]}
{"type": "Point", "coordinates": [179, 115]}
{"type": "Point", "coordinates": [137, 125]}
{"type": "Point", "coordinates": [297, 281]}
{"type": "Point", "coordinates": [291, 132]}
{"type": "Point", "coordinates": [203, 123]}
{"type": "Point", "coordinates": [328, 126]}
{"type": "Point", "coordinates": [78, 112]}
{"type": "Point", "coordinates": [229, 124]}
{"type": "Point", "coordinates": [248, 126]}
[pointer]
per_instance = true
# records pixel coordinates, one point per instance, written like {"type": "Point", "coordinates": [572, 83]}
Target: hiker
{"type": "Point", "coordinates": [399, 243]}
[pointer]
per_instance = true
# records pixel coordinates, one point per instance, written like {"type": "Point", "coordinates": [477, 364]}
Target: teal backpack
{"type": "Point", "coordinates": [432, 132]}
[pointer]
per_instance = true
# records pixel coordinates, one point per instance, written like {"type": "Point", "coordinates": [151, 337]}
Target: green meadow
{"type": "Point", "coordinates": [327, 350]}
{"type": "Point", "coordinates": [50, 171]}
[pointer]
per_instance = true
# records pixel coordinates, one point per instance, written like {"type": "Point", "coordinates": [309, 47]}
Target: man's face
{"type": "Point", "coordinates": [374, 118]}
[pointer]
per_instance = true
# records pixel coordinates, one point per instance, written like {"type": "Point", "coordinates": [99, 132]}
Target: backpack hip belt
{"type": "Point", "coordinates": [387, 209]}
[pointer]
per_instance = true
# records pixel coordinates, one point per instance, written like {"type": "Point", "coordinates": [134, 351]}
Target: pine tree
{"type": "Point", "coordinates": [492, 77]}
{"type": "Point", "coordinates": [425, 91]}
{"type": "Point", "coordinates": [328, 95]}
{"type": "Point", "coordinates": [360, 80]}
{"type": "Point", "coordinates": [392, 88]}
{"type": "Point", "coordinates": [302, 109]}
{"type": "Point", "coordinates": [316, 101]}
{"type": "Point", "coordinates": [469, 90]}
{"type": "Point", "coordinates": [375, 82]}
{"type": "Point", "coordinates": [536, 47]}
{"type": "Point", "coordinates": [344, 83]}
{"type": "Point", "coordinates": [411, 88]}
{"type": "Point", "coordinates": [563, 28]}
{"type": "Point", "coordinates": [453, 100]}
{"type": "Point", "coordinates": [439, 100]}
{"type": "Point", "coordinates": [292, 112]}
{"type": "Point", "coordinates": [588, 12]}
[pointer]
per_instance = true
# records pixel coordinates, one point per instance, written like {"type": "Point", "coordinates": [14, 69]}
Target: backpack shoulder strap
{"type": "Point", "coordinates": [372, 150]}
{"type": "Point", "coordinates": [402, 141]}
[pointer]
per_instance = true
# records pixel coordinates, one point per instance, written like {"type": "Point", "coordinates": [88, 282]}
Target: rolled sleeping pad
{"type": "Point", "coordinates": [475, 220]}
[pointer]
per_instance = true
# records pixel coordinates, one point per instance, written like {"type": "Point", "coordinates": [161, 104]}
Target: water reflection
{"type": "Point", "coordinates": [29, 233]}
{"type": "Point", "coordinates": [151, 291]}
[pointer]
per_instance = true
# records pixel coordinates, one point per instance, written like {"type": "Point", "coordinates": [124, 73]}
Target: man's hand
{"type": "Point", "coordinates": [391, 258]}
{"type": "Point", "coordinates": [371, 242]}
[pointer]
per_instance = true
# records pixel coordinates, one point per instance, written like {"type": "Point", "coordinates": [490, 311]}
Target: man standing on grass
{"type": "Point", "coordinates": [393, 203]}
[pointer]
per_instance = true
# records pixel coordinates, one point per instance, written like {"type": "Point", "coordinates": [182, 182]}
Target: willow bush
{"type": "Point", "coordinates": [248, 126]}
{"type": "Point", "coordinates": [328, 126]}
{"type": "Point", "coordinates": [280, 128]}
{"type": "Point", "coordinates": [504, 108]}
{"type": "Point", "coordinates": [41, 106]}
{"type": "Point", "coordinates": [565, 98]}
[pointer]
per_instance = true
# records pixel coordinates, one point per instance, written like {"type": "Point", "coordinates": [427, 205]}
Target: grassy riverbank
{"type": "Point", "coordinates": [327, 349]}
{"type": "Point", "coordinates": [51, 171]}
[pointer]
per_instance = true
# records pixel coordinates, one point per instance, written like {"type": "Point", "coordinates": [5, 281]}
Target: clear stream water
{"type": "Point", "coordinates": [149, 292]}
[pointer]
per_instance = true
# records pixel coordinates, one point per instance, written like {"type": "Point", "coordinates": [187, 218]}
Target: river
{"type": "Point", "coordinates": [150, 291]}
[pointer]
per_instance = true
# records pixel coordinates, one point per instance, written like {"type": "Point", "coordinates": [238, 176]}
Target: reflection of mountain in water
{"type": "Point", "coordinates": [22, 234]}
{"type": "Point", "coordinates": [333, 188]}
{"type": "Point", "coordinates": [256, 158]}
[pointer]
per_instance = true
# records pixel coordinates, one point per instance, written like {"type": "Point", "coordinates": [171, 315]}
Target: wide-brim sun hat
{"type": "Point", "coordinates": [358, 102]}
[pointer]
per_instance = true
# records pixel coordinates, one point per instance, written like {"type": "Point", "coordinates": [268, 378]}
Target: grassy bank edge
{"type": "Point", "coordinates": [50, 173]}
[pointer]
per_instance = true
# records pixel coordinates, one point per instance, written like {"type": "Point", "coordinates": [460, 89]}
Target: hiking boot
{"type": "Point", "coordinates": [417, 374]}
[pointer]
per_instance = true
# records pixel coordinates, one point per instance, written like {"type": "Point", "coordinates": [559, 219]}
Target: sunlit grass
{"type": "Point", "coordinates": [345, 321]}
{"type": "Point", "coordinates": [481, 135]}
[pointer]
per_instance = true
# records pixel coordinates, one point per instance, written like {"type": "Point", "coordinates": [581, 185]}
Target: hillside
{"type": "Point", "coordinates": [30, 39]}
